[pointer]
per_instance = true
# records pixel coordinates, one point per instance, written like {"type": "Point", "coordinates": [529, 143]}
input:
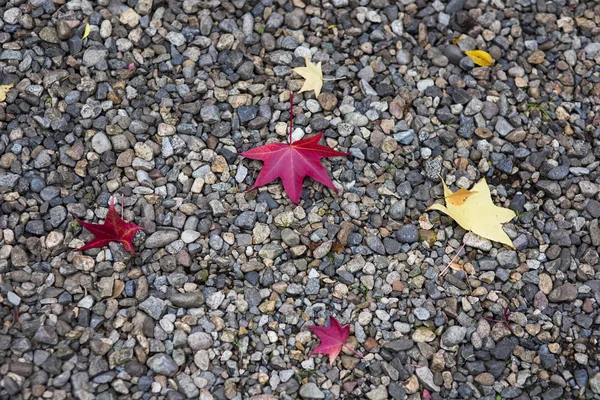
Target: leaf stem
{"type": "Point", "coordinates": [333, 79]}
{"type": "Point", "coordinates": [354, 351]}
{"type": "Point", "coordinates": [291, 115]}
{"type": "Point", "coordinates": [457, 253]}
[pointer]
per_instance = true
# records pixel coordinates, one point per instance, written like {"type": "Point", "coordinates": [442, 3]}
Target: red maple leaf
{"type": "Point", "coordinates": [333, 339]}
{"type": "Point", "coordinates": [114, 229]}
{"type": "Point", "coordinates": [293, 162]}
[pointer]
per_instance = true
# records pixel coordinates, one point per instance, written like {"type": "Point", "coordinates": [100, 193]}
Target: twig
{"type": "Point", "coordinates": [457, 253]}
{"type": "Point", "coordinates": [291, 115]}
{"type": "Point", "coordinates": [504, 320]}
{"type": "Point", "coordinates": [333, 79]}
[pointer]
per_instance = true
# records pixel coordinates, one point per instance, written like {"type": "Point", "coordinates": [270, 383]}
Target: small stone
{"type": "Point", "coordinates": [162, 364]}
{"type": "Point", "coordinates": [200, 341]}
{"type": "Point", "coordinates": [537, 57]}
{"type": "Point", "coordinates": [161, 239]}
{"type": "Point", "coordinates": [101, 143]}
{"type": "Point", "coordinates": [94, 55]}
{"type": "Point", "coordinates": [564, 293]}
{"type": "Point", "coordinates": [46, 335]}
{"type": "Point", "coordinates": [153, 306]}
{"type": "Point", "coordinates": [48, 34]}
{"type": "Point", "coordinates": [11, 16]}
{"type": "Point", "coordinates": [426, 377]}
{"type": "Point", "coordinates": [453, 335]}
{"type": "Point", "coordinates": [408, 234]}
{"type": "Point", "coordinates": [503, 127]}
{"type": "Point", "coordinates": [328, 101]}
{"type": "Point", "coordinates": [130, 18]}
{"type": "Point", "coordinates": [176, 38]}
{"type": "Point", "coordinates": [295, 19]}
{"type": "Point", "coordinates": [399, 345]}
{"type": "Point", "coordinates": [210, 114]}
{"type": "Point", "coordinates": [595, 383]}
{"type": "Point", "coordinates": [379, 393]}
{"type": "Point", "coordinates": [398, 210]}
{"type": "Point", "coordinates": [246, 220]}
{"type": "Point", "coordinates": [311, 391]}
{"type": "Point", "coordinates": [187, 300]}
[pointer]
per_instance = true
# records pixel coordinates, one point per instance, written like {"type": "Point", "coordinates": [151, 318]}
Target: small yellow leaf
{"type": "Point", "coordinates": [313, 75]}
{"type": "Point", "coordinates": [4, 89]}
{"type": "Point", "coordinates": [459, 197]}
{"type": "Point", "coordinates": [478, 214]}
{"type": "Point", "coordinates": [86, 31]}
{"type": "Point", "coordinates": [480, 58]}
{"type": "Point", "coordinates": [456, 40]}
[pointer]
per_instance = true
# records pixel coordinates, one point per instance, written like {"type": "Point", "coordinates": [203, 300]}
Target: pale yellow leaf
{"type": "Point", "coordinates": [480, 58]}
{"type": "Point", "coordinates": [118, 288]}
{"type": "Point", "coordinates": [313, 76]}
{"type": "Point", "coordinates": [4, 89]}
{"type": "Point", "coordinates": [478, 214]}
{"type": "Point", "coordinates": [86, 31]}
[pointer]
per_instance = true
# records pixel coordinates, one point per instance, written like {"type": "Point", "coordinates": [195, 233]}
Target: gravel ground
{"type": "Point", "coordinates": [156, 103]}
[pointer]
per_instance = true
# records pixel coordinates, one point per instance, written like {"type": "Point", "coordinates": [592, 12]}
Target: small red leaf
{"type": "Point", "coordinates": [293, 162]}
{"type": "Point", "coordinates": [114, 229]}
{"type": "Point", "coordinates": [332, 338]}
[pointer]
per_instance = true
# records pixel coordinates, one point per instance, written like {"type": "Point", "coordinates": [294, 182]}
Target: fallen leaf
{"type": "Point", "coordinates": [480, 58]}
{"type": "Point", "coordinates": [4, 89]}
{"type": "Point", "coordinates": [332, 338]}
{"type": "Point", "coordinates": [86, 31]}
{"type": "Point", "coordinates": [337, 247]}
{"type": "Point", "coordinates": [118, 288]}
{"type": "Point", "coordinates": [478, 214]}
{"type": "Point", "coordinates": [292, 163]}
{"type": "Point", "coordinates": [313, 76]}
{"type": "Point", "coordinates": [458, 39]}
{"type": "Point", "coordinates": [426, 394]}
{"type": "Point", "coordinates": [456, 267]}
{"type": "Point", "coordinates": [114, 229]}
{"type": "Point", "coordinates": [459, 197]}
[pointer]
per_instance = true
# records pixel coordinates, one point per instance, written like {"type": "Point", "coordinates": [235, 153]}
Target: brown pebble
{"type": "Point", "coordinates": [328, 101]}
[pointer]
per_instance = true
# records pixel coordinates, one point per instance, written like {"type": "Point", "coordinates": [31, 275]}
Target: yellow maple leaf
{"type": "Point", "coordinates": [478, 214]}
{"type": "Point", "coordinates": [86, 31]}
{"type": "Point", "coordinates": [313, 77]}
{"type": "Point", "coordinates": [4, 89]}
{"type": "Point", "coordinates": [459, 197]}
{"type": "Point", "coordinates": [480, 58]}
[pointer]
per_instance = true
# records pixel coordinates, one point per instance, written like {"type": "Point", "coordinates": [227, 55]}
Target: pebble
{"type": "Point", "coordinates": [162, 364]}
{"type": "Point", "coordinates": [311, 391]}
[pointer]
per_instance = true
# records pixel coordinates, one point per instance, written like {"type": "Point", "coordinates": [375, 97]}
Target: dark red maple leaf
{"type": "Point", "coordinates": [114, 229]}
{"type": "Point", "coordinates": [333, 339]}
{"type": "Point", "coordinates": [293, 162]}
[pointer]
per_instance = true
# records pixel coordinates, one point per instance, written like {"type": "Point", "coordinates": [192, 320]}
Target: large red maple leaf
{"type": "Point", "coordinates": [333, 339]}
{"type": "Point", "coordinates": [293, 162]}
{"type": "Point", "coordinates": [114, 229]}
